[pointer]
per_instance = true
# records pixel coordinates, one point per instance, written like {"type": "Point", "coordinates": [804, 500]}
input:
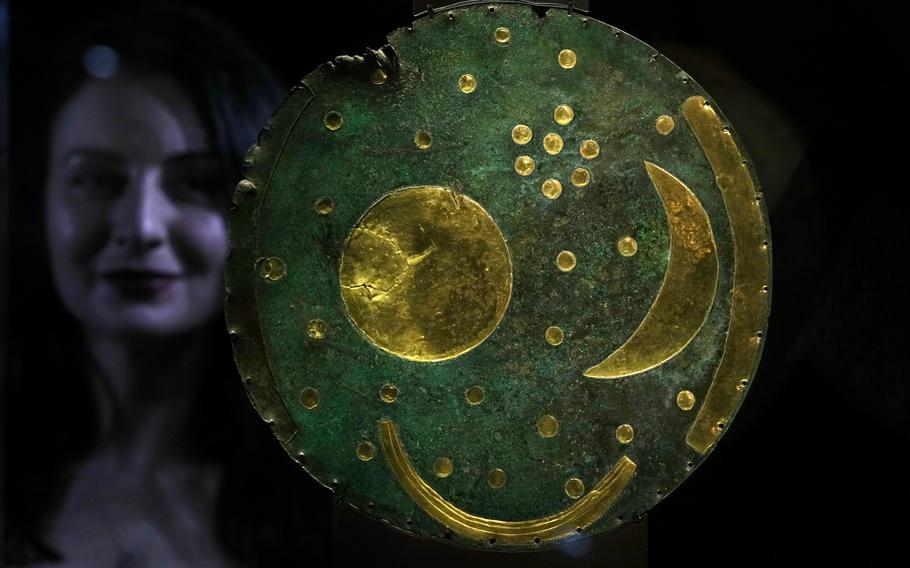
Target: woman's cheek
{"type": "Point", "coordinates": [77, 233]}
{"type": "Point", "coordinates": [200, 239]}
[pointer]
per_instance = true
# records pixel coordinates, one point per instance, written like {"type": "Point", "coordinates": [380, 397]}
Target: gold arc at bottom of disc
{"type": "Point", "coordinates": [580, 514]}
{"type": "Point", "coordinates": [749, 302]}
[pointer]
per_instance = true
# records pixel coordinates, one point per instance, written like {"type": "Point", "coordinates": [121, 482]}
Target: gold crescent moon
{"type": "Point", "coordinates": [686, 294]}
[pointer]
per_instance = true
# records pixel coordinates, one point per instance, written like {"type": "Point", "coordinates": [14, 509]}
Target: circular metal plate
{"type": "Point", "coordinates": [503, 281]}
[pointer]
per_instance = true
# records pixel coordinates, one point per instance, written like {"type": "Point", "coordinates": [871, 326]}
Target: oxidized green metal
{"type": "Point", "coordinates": [392, 204]}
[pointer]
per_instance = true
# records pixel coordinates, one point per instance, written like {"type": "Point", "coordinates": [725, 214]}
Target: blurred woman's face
{"type": "Point", "coordinates": [135, 209]}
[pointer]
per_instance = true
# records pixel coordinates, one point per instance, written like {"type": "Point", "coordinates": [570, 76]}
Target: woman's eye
{"type": "Point", "coordinates": [205, 189]}
{"type": "Point", "coordinates": [98, 184]}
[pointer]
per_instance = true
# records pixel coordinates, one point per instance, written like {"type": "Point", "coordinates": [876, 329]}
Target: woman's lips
{"type": "Point", "coordinates": [141, 284]}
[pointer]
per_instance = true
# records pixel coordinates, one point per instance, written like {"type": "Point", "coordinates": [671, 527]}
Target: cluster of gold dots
{"type": "Point", "coordinates": [271, 269]}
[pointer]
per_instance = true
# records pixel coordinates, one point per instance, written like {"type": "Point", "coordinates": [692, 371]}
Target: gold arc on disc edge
{"type": "Point", "coordinates": [580, 514]}
{"type": "Point", "coordinates": [751, 274]}
{"type": "Point", "coordinates": [686, 294]}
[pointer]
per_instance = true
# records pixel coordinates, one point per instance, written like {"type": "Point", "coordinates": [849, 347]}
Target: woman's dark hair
{"type": "Point", "coordinates": [268, 511]}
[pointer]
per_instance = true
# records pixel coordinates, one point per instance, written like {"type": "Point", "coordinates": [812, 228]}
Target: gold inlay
{"type": "Point", "coordinates": [426, 274]}
{"type": "Point", "coordinates": [551, 188]}
{"type": "Point", "coordinates": [366, 451]}
{"type": "Point", "coordinates": [388, 393]}
{"type": "Point", "coordinates": [625, 433]}
{"type": "Point", "coordinates": [271, 269]}
{"type": "Point", "coordinates": [316, 329]}
{"type": "Point", "coordinates": [547, 426]}
{"type": "Point", "coordinates": [333, 120]}
{"type": "Point", "coordinates": [467, 83]}
{"type": "Point", "coordinates": [496, 478]}
{"type": "Point", "coordinates": [309, 398]}
{"type": "Point", "coordinates": [378, 76]}
{"type": "Point", "coordinates": [524, 165]}
{"type": "Point", "coordinates": [589, 149]}
{"type": "Point", "coordinates": [665, 124]}
{"type": "Point", "coordinates": [685, 400]}
{"type": "Point", "coordinates": [521, 134]}
{"type": "Point", "coordinates": [580, 514]}
{"type": "Point", "coordinates": [580, 177]}
{"type": "Point", "coordinates": [554, 335]}
{"type": "Point", "coordinates": [565, 261]}
{"type": "Point", "coordinates": [627, 246]}
{"type": "Point", "coordinates": [502, 35]}
{"type": "Point", "coordinates": [686, 294]}
{"type": "Point", "coordinates": [474, 395]}
{"type": "Point", "coordinates": [552, 143]}
{"type": "Point", "coordinates": [442, 467]}
{"type": "Point", "coordinates": [324, 205]}
{"type": "Point", "coordinates": [575, 488]}
{"type": "Point", "coordinates": [423, 139]}
{"type": "Point", "coordinates": [567, 59]}
{"type": "Point", "coordinates": [749, 307]}
{"type": "Point", "coordinates": [563, 114]}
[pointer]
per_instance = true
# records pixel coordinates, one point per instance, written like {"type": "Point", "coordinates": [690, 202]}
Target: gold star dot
{"type": "Point", "coordinates": [551, 188]}
{"type": "Point", "coordinates": [547, 426]}
{"type": "Point", "coordinates": [555, 335]}
{"type": "Point", "coordinates": [552, 143]}
{"type": "Point", "coordinates": [563, 115]}
{"type": "Point", "coordinates": [565, 261]}
{"type": "Point", "coordinates": [665, 124]}
{"type": "Point", "coordinates": [309, 398]}
{"type": "Point", "coordinates": [521, 134]}
{"type": "Point", "coordinates": [524, 165]}
{"type": "Point", "coordinates": [567, 59]}
{"type": "Point", "coordinates": [467, 83]}
{"type": "Point", "coordinates": [388, 393]}
{"type": "Point", "coordinates": [333, 120]}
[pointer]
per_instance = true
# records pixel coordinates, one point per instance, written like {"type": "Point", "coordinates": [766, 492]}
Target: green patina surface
{"type": "Point", "coordinates": [618, 89]}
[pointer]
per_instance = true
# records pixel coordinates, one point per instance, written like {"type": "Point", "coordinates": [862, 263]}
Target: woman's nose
{"type": "Point", "coordinates": [140, 217]}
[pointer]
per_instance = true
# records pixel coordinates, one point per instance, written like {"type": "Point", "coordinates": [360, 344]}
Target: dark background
{"type": "Point", "coordinates": [815, 465]}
